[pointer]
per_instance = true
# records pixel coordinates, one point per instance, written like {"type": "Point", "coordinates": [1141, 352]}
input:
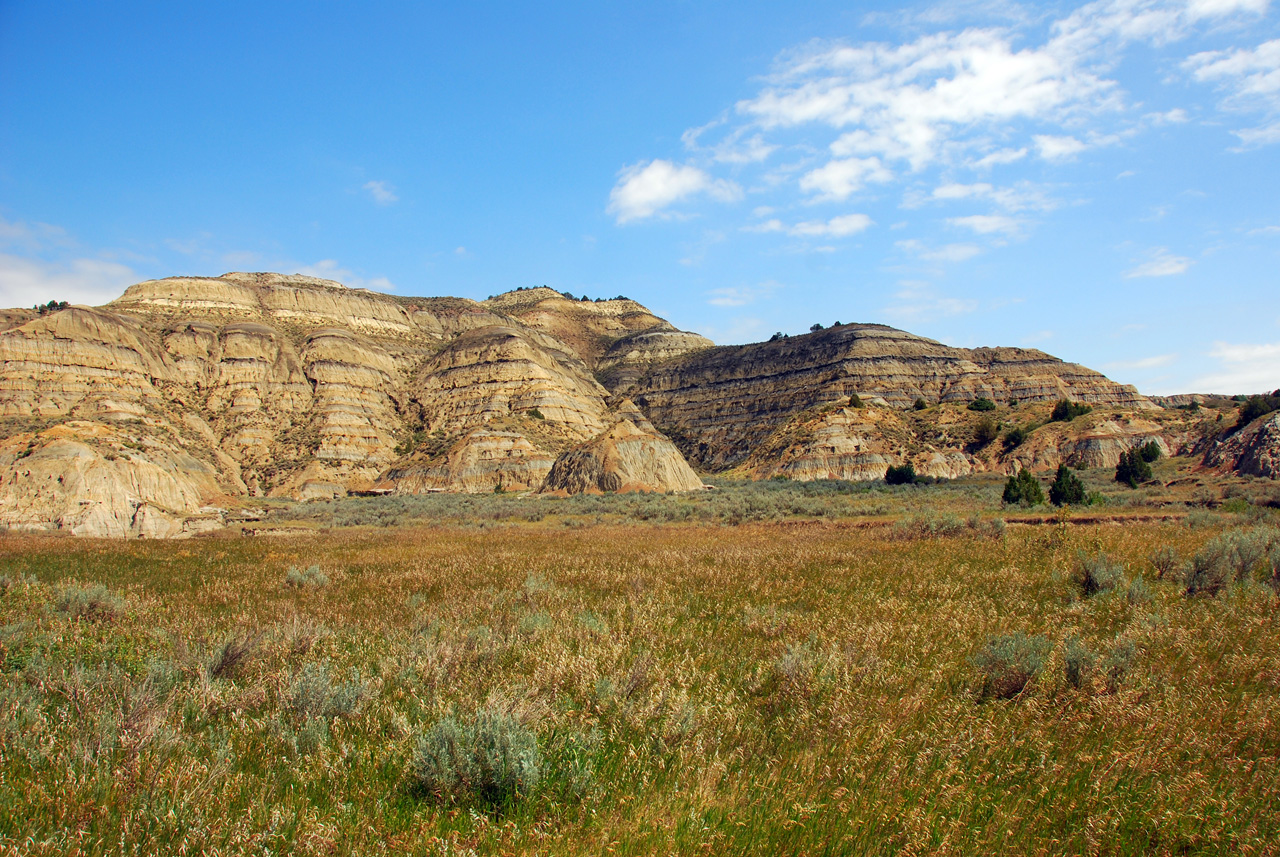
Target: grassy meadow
{"type": "Point", "coordinates": [823, 669]}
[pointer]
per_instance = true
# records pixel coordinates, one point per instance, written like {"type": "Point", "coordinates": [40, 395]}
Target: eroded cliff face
{"type": "Point", "coordinates": [721, 403]}
{"type": "Point", "coordinates": [264, 384]}
{"type": "Point", "coordinates": [146, 416]}
{"type": "Point", "coordinates": [836, 441]}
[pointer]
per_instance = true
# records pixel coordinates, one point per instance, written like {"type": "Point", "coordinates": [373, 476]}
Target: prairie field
{"type": "Point", "coordinates": [848, 671]}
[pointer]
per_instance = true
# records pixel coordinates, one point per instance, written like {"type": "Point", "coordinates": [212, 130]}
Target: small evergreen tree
{"type": "Point", "coordinates": [920, 404]}
{"type": "Point", "coordinates": [1014, 437]}
{"type": "Point", "coordinates": [985, 431]}
{"type": "Point", "coordinates": [1023, 489]}
{"type": "Point", "coordinates": [1132, 469]}
{"type": "Point", "coordinates": [903, 474]}
{"type": "Point", "coordinates": [982, 404]}
{"type": "Point", "coordinates": [1066, 410]}
{"type": "Point", "coordinates": [1067, 489]}
{"type": "Point", "coordinates": [855, 402]}
{"type": "Point", "coordinates": [1150, 451]}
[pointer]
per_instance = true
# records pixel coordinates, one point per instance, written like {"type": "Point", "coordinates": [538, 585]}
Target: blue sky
{"type": "Point", "coordinates": [1096, 180]}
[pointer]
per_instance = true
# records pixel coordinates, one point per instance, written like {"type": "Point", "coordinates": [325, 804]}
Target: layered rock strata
{"type": "Point", "coordinates": [720, 403]}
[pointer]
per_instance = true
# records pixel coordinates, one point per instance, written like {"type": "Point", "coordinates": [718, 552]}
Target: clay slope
{"type": "Point", "coordinates": [720, 403]}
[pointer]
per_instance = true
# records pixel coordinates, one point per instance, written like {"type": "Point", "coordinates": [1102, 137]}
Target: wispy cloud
{"type": "Point", "coordinates": [945, 253]}
{"type": "Point", "coordinates": [647, 188]}
{"type": "Point", "coordinates": [985, 224]}
{"type": "Point", "coordinates": [1242, 368]}
{"type": "Point", "coordinates": [382, 192]}
{"type": "Point", "coordinates": [919, 302]}
{"type": "Point", "coordinates": [1162, 264]}
{"type": "Point", "coordinates": [26, 281]}
{"type": "Point", "coordinates": [1250, 79]}
{"type": "Point", "coordinates": [743, 295]}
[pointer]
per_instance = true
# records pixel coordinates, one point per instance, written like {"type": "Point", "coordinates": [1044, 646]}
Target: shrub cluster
{"type": "Point", "coordinates": [982, 404]}
{"type": "Point", "coordinates": [91, 603]}
{"type": "Point", "coordinates": [902, 474]}
{"type": "Point", "coordinates": [985, 431]}
{"type": "Point", "coordinates": [1015, 437]}
{"type": "Point", "coordinates": [1235, 556]}
{"type": "Point", "coordinates": [1023, 489]}
{"type": "Point", "coordinates": [1066, 410]}
{"type": "Point", "coordinates": [1256, 406]}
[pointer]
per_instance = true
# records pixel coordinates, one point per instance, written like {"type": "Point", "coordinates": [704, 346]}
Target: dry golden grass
{"type": "Point", "coordinates": [799, 687]}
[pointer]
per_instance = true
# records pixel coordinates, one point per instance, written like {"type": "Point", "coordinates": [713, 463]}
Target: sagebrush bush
{"type": "Point", "coordinates": [1232, 557]}
{"type": "Point", "coordinates": [314, 694]}
{"type": "Point", "coordinates": [1098, 574]}
{"type": "Point", "coordinates": [312, 576]}
{"type": "Point", "coordinates": [92, 603]}
{"type": "Point", "coordinates": [1164, 560]}
{"type": "Point", "coordinates": [1008, 663]}
{"type": "Point", "coordinates": [493, 757]}
{"type": "Point", "coordinates": [1078, 661]}
{"type": "Point", "coordinates": [1118, 663]}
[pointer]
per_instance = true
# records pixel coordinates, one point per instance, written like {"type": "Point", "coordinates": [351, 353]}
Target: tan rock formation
{"type": "Point", "coordinates": [482, 462]}
{"type": "Point", "coordinates": [80, 477]}
{"type": "Point", "coordinates": [623, 458]}
{"type": "Point", "coordinates": [723, 402]}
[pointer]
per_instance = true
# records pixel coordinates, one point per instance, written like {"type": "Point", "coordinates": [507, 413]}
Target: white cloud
{"type": "Point", "coordinates": [646, 188]}
{"type": "Point", "coordinates": [945, 253]}
{"type": "Point", "coordinates": [999, 157]}
{"type": "Point", "coordinates": [382, 193]}
{"type": "Point", "coordinates": [985, 224]}
{"type": "Point", "coordinates": [1053, 148]}
{"type": "Point", "coordinates": [1251, 80]}
{"type": "Point", "coordinates": [1162, 264]}
{"type": "Point", "coordinates": [836, 227]}
{"type": "Point", "coordinates": [1242, 369]}
{"type": "Point", "coordinates": [32, 236]}
{"type": "Point", "coordinates": [838, 179]}
{"type": "Point", "coordinates": [1265, 230]}
{"type": "Point", "coordinates": [25, 282]}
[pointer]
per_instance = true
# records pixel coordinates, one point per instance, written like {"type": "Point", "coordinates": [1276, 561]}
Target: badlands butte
{"type": "Point", "coordinates": [162, 412]}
